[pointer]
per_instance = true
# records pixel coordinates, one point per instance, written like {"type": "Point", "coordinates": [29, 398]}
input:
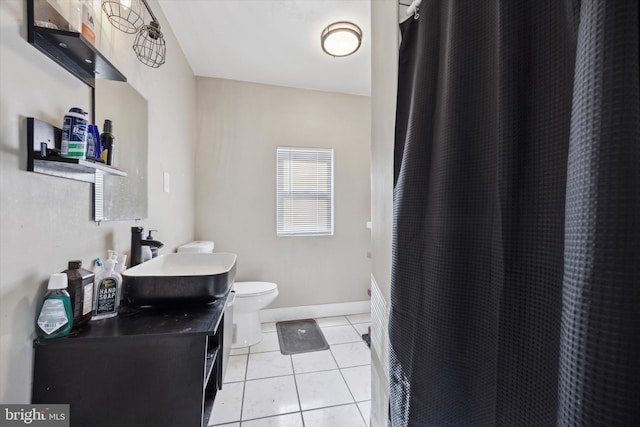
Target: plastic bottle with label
{"type": "Point", "coordinates": [74, 134]}
{"type": "Point", "coordinates": [107, 292]}
{"type": "Point", "coordinates": [81, 292]}
{"type": "Point", "coordinates": [108, 142]}
{"type": "Point", "coordinates": [56, 315]}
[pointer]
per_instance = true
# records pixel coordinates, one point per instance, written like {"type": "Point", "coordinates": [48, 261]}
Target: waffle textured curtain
{"type": "Point", "coordinates": [515, 295]}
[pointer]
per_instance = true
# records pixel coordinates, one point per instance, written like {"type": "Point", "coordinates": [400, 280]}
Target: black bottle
{"type": "Point", "coordinates": [108, 142]}
{"type": "Point", "coordinates": [80, 290]}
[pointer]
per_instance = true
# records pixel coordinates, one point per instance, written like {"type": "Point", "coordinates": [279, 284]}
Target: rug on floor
{"type": "Point", "coordinates": [300, 336]}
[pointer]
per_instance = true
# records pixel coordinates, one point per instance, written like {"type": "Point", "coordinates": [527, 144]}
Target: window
{"type": "Point", "coordinates": [304, 191]}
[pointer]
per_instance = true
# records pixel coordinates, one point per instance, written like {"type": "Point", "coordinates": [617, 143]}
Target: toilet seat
{"type": "Point", "coordinates": [249, 289]}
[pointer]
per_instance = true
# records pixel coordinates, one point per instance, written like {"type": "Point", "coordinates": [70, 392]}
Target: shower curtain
{"type": "Point", "coordinates": [515, 297]}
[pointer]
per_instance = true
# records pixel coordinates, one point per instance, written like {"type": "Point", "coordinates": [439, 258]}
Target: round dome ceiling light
{"type": "Point", "coordinates": [341, 39]}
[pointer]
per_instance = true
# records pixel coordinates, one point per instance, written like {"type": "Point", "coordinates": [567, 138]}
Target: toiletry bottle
{"type": "Point", "coordinates": [154, 249]}
{"type": "Point", "coordinates": [145, 254]}
{"type": "Point", "coordinates": [107, 292]}
{"type": "Point", "coordinates": [88, 22]}
{"type": "Point", "coordinates": [74, 134]}
{"type": "Point", "coordinates": [94, 147]}
{"type": "Point", "coordinates": [97, 266]}
{"type": "Point", "coordinates": [56, 315]}
{"type": "Point", "coordinates": [108, 142]}
{"type": "Point", "coordinates": [80, 290]}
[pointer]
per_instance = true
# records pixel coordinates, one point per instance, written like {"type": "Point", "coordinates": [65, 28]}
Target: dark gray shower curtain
{"type": "Point", "coordinates": [515, 294]}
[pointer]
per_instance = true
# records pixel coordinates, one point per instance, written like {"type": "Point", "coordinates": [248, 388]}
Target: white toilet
{"type": "Point", "coordinates": [251, 297]}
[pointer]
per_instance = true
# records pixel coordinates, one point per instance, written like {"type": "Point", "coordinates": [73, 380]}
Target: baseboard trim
{"type": "Point", "coordinates": [313, 311]}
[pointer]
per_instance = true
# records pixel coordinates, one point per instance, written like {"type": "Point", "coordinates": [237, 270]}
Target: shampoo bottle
{"type": "Point", "coordinates": [80, 290]}
{"type": "Point", "coordinates": [107, 292]}
{"type": "Point", "coordinates": [108, 142]}
{"type": "Point", "coordinates": [56, 315]}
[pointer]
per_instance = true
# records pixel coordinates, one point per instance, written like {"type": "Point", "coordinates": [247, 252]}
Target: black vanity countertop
{"type": "Point", "coordinates": [161, 320]}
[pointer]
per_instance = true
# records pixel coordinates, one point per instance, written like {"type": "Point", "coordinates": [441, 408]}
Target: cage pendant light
{"type": "Point", "coordinates": [149, 45]}
{"type": "Point", "coordinates": [125, 15]}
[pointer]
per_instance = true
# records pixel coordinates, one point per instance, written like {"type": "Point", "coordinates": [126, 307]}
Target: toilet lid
{"type": "Point", "coordinates": [253, 288]}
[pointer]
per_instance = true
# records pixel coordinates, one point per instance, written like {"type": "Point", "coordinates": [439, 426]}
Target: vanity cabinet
{"type": "Point", "coordinates": [145, 367]}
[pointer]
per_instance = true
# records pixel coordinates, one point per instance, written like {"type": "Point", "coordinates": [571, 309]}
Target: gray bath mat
{"type": "Point", "coordinates": [300, 336]}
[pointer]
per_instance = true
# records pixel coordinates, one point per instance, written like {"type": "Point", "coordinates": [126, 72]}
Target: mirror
{"type": "Point", "coordinates": [123, 198]}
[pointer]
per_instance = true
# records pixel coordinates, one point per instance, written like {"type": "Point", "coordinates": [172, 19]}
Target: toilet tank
{"type": "Point", "coordinates": [198, 246]}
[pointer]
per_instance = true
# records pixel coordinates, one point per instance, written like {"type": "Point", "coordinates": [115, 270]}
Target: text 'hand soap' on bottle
{"type": "Point", "coordinates": [107, 292]}
{"type": "Point", "coordinates": [56, 315]}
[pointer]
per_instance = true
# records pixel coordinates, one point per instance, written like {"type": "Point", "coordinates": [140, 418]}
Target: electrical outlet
{"type": "Point", "coordinates": [165, 182]}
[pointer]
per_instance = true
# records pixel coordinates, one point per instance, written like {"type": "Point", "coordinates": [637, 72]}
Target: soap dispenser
{"type": "Point", "coordinates": [154, 249]}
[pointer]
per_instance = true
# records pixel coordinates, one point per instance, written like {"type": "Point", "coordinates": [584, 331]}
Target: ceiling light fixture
{"type": "Point", "coordinates": [149, 46]}
{"type": "Point", "coordinates": [128, 16]}
{"type": "Point", "coordinates": [125, 15]}
{"type": "Point", "coordinates": [341, 38]}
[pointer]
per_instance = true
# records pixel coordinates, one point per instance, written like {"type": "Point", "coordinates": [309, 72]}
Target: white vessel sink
{"type": "Point", "coordinates": [180, 278]}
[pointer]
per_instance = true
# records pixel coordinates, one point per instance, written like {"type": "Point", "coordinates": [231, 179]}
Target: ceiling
{"type": "Point", "coordinates": [273, 42]}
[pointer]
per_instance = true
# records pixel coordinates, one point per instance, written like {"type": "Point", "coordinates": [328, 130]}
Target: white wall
{"type": "Point", "coordinates": [46, 221]}
{"type": "Point", "coordinates": [384, 73]}
{"type": "Point", "coordinates": [240, 125]}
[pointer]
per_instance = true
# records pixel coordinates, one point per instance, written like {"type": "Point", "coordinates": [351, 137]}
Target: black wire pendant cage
{"type": "Point", "coordinates": [128, 16]}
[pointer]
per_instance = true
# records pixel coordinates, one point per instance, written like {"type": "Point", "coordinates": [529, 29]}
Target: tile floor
{"type": "Point", "coordinates": [264, 388]}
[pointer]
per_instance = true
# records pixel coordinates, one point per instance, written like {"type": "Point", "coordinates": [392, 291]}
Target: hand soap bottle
{"type": "Point", "coordinates": [56, 315]}
{"type": "Point", "coordinates": [107, 292]}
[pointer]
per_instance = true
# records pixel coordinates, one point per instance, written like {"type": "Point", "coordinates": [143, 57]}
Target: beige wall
{"type": "Point", "coordinates": [240, 125]}
{"type": "Point", "coordinates": [46, 221]}
{"type": "Point", "coordinates": [384, 74]}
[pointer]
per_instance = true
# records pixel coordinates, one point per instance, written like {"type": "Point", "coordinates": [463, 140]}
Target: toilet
{"type": "Point", "coordinates": [251, 297]}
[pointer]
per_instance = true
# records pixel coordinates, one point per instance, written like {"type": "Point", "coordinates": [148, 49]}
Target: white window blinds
{"type": "Point", "coordinates": [304, 191]}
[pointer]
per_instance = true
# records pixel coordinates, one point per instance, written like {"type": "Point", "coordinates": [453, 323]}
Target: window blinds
{"type": "Point", "coordinates": [304, 191]}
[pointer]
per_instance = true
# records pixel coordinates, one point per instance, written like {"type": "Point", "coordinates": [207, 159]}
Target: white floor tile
{"type": "Point", "coordinates": [365, 411]}
{"type": "Point", "coordinates": [343, 416]}
{"type": "Point", "coordinates": [228, 425]}
{"type": "Point", "coordinates": [360, 318]}
{"type": "Point", "coordinates": [241, 350]}
{"type": "Point", "coordinates": [332, 321]}
{"type": "Point", "coordinates": [340, 334]}
{"type": "Point", "coordinates": [269, 364]}
{"type": "Point", "coordinates": [227, 405]}
{"type": "Point", "coordinates": [269, 343]}
{"type": "Point", "coordinates": [288, 420]}
{"type": "Point", "coordinates": [351, 354]}
{"type": "Point", "coordinates": [268, 327]}
{"type": "Point", "coordinates": [319, 389]}
{"type": "Point", "coordinates": [269, 396]}
{"type": "Point", "coordinates": [359, 382]}
{"type": "Point", "coordinates": [236, 368]}
{"type": "Point", "coordinates": [362, 328]}
{"type": "Point", "coordinates": [313, 361]}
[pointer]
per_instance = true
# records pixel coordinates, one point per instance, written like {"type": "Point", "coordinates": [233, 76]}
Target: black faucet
{"type": "Point", "coordinates": [137, 242]}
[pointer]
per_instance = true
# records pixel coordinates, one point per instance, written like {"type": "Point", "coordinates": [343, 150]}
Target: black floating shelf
{"type": "Point", "coordinates": [77, 169]}
{"type": "Point", "coordinates": [72, 51]}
